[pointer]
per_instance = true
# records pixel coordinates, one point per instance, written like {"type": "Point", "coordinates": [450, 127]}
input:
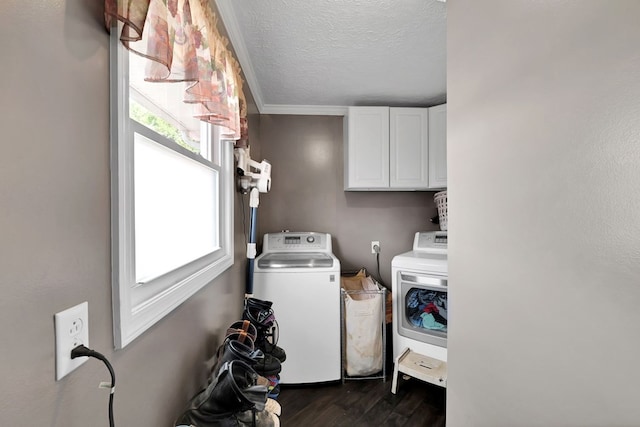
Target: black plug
{"type": "Point", "coordinates": [81, 351]}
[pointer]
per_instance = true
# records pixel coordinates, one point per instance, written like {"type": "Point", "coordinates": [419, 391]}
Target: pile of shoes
{"type": "Point", "coordinates": [244, 381]}
{"type": "Point", "coordinates": [260, 314]}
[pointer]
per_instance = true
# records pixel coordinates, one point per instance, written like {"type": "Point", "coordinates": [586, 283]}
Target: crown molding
{"type": "Point", "coordinates": [307, 110]}
{"type": "Point", "coordinates": [237, 41]}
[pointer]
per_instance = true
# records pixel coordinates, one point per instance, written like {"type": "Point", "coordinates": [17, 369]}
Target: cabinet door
{"type": "Point", "coordinates": [367, 148]}
{"type": "Point", "coordinates": [438, 146]}
{"type": "Point", "coordinates": [409, 148]}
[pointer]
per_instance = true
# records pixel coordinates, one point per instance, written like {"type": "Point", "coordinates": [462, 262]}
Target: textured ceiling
{"type": "Point", "coordinates": [312, 55]}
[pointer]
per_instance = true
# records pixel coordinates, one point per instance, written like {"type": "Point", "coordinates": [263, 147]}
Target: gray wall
{"type": "Point", "coordinates": [307, 194]}
{"type": "Point", "coordinates": [55, 237]}
{"type": "Point", "coordinates": [544, 154]}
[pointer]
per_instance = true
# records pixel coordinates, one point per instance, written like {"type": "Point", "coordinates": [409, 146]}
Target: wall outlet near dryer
{"type": "Point", "coordinates": [72, 330]}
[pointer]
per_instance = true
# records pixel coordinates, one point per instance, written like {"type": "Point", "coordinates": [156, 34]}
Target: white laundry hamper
{"type": "Point", "coordinates": [363, 327]}
{"type": "Point", "coordinates": [441, 203]}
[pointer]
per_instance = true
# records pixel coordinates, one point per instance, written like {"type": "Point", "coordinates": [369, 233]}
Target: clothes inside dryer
{"type": "Point", "coordinates": [426, 308]}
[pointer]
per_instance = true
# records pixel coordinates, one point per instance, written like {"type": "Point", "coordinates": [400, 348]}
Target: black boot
{"type": "Point", "coordinates": [258, 311]}
{"type": "Point", "coordinates": [233, 349]}
{"type": "Point", "coordinates": [267, 365]}
{"type": "Point", "coordinates": [243, 326]}
{"type": "Point", "coordinates": [260, 314]}
{"type": "Point", "coordinates": [243, 338]}
{"type": "Point", "coordinates": [234, 392]}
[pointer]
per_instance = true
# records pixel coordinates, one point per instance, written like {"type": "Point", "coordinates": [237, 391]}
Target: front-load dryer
{"type": "Point", "coordinates": [420, 297]}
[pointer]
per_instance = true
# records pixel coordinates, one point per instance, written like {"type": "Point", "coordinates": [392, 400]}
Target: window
{"type": "Point", "coordinates": [172, 205]}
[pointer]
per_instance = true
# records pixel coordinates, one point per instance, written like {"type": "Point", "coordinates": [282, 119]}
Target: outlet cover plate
{"type": "Point", "coordinates": [375, 243]}
{"type": "Point", "coordinates": [72, 329]}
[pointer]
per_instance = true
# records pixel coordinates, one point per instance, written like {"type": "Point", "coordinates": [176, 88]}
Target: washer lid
{"type": "Point", "coordinates": [295, 260]}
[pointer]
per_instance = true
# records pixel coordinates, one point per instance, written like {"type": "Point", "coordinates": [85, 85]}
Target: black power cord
{"type": "Point", "coordinates": [82, 351]}
{"type": "Point", "coordinates": [376, 248]}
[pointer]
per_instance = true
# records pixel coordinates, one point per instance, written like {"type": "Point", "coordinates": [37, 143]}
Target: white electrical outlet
{"type": "Point", "coordinates": [375, 243]}
{"type": "Point", "coordinates": [72, 330]}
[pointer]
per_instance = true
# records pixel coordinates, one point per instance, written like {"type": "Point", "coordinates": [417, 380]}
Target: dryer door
{"type": "Point", "coordinates": [422, 308]}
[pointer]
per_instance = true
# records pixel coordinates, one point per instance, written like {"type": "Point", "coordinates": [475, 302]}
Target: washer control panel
{"type": "Point", "coordinates": [289, 241]}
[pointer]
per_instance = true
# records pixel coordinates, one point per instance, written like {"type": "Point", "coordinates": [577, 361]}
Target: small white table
{"type": "Point", "coordinates": [418, 366]}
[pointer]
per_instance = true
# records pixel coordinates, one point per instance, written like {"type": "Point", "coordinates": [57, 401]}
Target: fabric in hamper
{"type": "Point", "coordinates": [363, 325]}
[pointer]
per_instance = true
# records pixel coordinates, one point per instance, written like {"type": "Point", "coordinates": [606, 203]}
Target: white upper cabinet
{"type": "Point", "coordinates": [367, 131]}
{"type": "Point", "coordinates": [438, 146]}
{"type": "Point", "coordinates": [395, 149]}
{"type": "Point", "coordinates": [409, 148]}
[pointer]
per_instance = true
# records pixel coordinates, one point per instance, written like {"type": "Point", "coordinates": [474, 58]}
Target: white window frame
{"type": "Point", "coordinates": [138, 307]}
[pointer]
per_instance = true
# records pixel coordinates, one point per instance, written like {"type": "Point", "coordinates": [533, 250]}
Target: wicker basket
{"type": "Point", "coordinates": [441, 203]}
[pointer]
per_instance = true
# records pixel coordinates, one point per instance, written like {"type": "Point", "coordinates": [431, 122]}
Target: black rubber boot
{"type": "Point", "coordinates": [243, 326]}
{"type": "Point", "coordinates": [233, 349]}
{"type": "Point", "coordinates": [243, 338]}
{"type": "Point", "coordinates": [233, 393]}
{"type": "Point", "coordinates": [260, 314]}
{"type": "Point", "coordinates": [267, 365]}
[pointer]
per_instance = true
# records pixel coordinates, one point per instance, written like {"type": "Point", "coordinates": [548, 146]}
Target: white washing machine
{"type": "Point", "coordinates": [420, 297]}
{"type": "Point", "coordinates": [298, 272]}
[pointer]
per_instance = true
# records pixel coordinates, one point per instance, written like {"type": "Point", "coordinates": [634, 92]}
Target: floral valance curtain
{"type": "Point", "coordinates": [183, 44]}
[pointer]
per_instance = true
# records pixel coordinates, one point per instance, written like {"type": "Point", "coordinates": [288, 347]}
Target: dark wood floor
{"type": "Point", "coordinates": [363, 403]}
